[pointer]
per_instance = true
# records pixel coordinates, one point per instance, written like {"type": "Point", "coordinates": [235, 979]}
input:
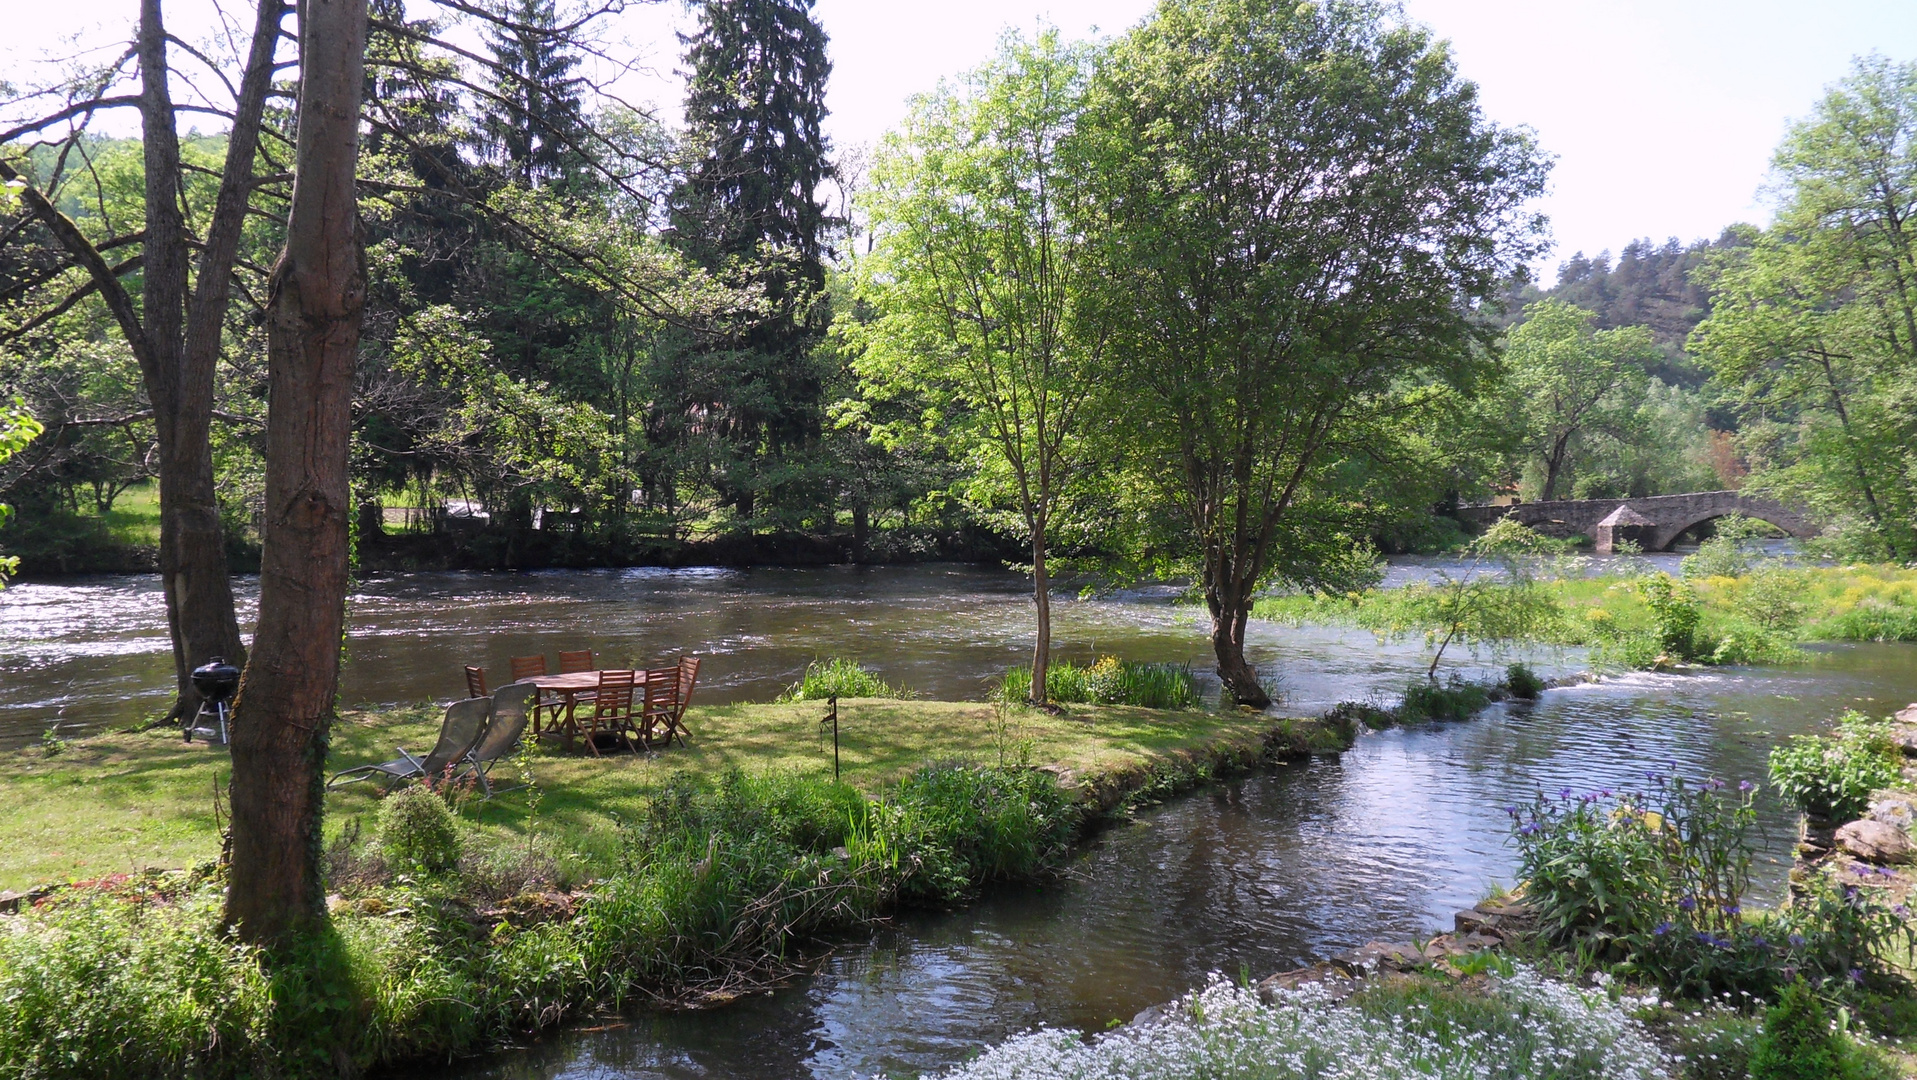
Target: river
{"type": "Point", "coordinates": [1253, 876]}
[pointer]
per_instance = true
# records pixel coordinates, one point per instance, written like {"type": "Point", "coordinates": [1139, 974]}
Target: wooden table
{"type": "Point", "coordinates": [567, 688]}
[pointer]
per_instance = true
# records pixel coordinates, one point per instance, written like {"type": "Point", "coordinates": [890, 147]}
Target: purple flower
{"type": "Point", "coordinates": [1732, 909]}
{"type": "Point", "coordinates": [1654, 778]}
{"type": "Point", "coordinates": [1564, 793]}
{"type": "Point", "coordinates": [1662, 928]}
{"type": "Point", "coordinates": [1530, 827]}
{"type": "Point", "coordinates": [1796, 940]}
{"type": "Point", "coordinates": [1857, 975]}
{"type": "Point", "coordinates": [1687, 904]}
{"type": "Point", "coordinates": [1758, 940]}
{"type": "Point", "coordinates": [1745, 785]}
{"type": "Point", "coordinates": [1512, 810]}
{"type": "Point", "coordinates": [1900, 911]}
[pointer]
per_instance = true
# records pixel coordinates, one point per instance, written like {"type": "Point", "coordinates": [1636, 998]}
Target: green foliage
{"type": "Point", "coordinates": [1110, 681]}
{"type": "Point", "coordinates": [17, 428]}
{"type": "Point", "coordinates": [1523, 683]}
{"type": "Point", "coordinates": [1728, 553]}
{"type": "Point", "coordinates": [1497, 598]}
{"type": "Point", "coordinates": [1807, 336]}
{"type": "Point", "coordinates": [416, 829]}
{"type": "Point", "coordinates": [842, 677]}
{"type": "Point", "coordinates": [110, 985]}
{"type": "Point", "coordinates": [1674, 613]}
{"type": "Point", "coordinates": [1832, 776]}
{"type": "Point", "coordinates": [1797, 1042]}
{"type": "Point", "coordinates": [1573, 388]}
{"type": "Point", "coordinates": [1453, 700]}
{"type": "Point", "coordinates": [1651, 884]}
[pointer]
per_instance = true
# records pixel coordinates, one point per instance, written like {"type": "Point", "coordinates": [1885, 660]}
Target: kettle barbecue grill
{"type": "Point", "coordinates": [217, 681]}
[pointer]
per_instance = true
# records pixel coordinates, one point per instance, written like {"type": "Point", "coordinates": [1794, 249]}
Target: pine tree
{"type": "Point", "coordinates": [755, 103]}
{"type": "Point", "coordinates": [530, 124]}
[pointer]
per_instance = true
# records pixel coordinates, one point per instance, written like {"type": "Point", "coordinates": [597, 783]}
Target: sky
{"type": "Point", "coordinates": [1661, 114]}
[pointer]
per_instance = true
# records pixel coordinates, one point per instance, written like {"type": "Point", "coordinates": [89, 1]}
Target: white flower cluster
{"type": "Point", "coordinates": [1224, 1033]}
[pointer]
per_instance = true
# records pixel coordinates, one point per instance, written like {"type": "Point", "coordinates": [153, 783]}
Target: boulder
{"type": "Point", "coordinates": [1904, 735]}
{"type": "Point", "coordinates": [1874, 841]}
{"type": "Point", "coordinates": [1332, 980]}
{"type": "Point", "coordinates": [1500, 917]}
{"type": "Point", "coordinates": [1896, 808]}
{"type": "Point", "coordinates": [1909, 715]}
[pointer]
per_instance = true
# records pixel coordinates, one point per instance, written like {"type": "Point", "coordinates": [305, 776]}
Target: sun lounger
{"type": "Point", "coordinates": [465, 722]}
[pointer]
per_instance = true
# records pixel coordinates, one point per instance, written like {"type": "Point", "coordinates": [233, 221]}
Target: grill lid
{"type": "Point", "coordinates": [216, 678]}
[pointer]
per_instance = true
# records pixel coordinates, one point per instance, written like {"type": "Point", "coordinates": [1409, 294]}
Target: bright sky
{"type": "Point", "coordinates": [1662, 113]}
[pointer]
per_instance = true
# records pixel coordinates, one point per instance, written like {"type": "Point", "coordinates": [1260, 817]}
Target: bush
{"type": "Point", "coordinates": [417, 830]}
{"type": "Point", "coordinates": [1832, 776]}
{"type": "Point", "coordinates": [1675, 613]}
{"type": "Point", "coordinates": [1652, 884]}
{"type": "Point", "coordinates": [1523, 683]}
{"type": "Point", "coordinates": [1455, 700]}
{"type": "Point", "coordinates": [1797, 1042]}
{"type": "Point", "coordinates": [1110, 681]}
{"type": "Point", "coordinates": [840, 676]}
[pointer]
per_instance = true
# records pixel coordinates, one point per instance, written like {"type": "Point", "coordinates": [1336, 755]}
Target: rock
{"type": "Point", "coordinates": [1909, 715]}
{"type": "Point", "coordinates": [1905, 736]}
{"type": "Point", "coordinates": [1500, 917]}
{"type": "Point", "coordinates": [1153, 1015]}
{"type": "Point", "coordinates": [1332, 980]}
{"type": "Point", "coordinates": [1874, 841]}
{"type": "Point", "coordinates": [1379, 957]}
{"type": "Point", "coordinates": [1894, 808]}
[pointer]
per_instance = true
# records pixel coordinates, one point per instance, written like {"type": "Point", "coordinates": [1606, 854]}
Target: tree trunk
{"type": "Point", "coordinates": [1042, 594]}
{"type": "Point", "coordinates": [314, 306]}
{"type": "Point", "coordinates": [861, 530]}
{"type": "Point", "coordinates": [1230, 608]}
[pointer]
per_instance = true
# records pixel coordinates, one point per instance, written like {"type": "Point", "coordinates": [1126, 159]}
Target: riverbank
{"type": "Point", "coordinates": [685, 878]}
{"type": "Point", "coordinates": [1756, 617]}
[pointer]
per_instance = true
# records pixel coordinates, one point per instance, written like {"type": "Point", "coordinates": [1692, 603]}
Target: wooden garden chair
{"type": "Point", "coordinates": [526, 667]}
{"type": "Point", "coordinates": [476, 682]}
{"type": "Point", "coordinates": [612, 708]}
{"type": "Point", "coordinates": [688, 674]}
{"type": "Point", "coordinates": [574, 662]}
{"type": "Point", "coordinates": [662, 696]}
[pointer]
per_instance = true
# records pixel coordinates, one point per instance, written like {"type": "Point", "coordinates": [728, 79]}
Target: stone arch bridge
{"type": "Point", "coordinates": [1654, 522]}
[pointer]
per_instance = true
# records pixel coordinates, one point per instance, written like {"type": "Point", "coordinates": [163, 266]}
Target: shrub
{"type": "Point", "coordinates": [1832, 776]}
{"type": "Point", "coordinates": [1110, 681]}
{"type": "Point", "coordinates": [417, 830]}
{"type": "Point", "coordinates": [1675, 613]}
{"type": "Point", "coordinates": [1455, 700]}
{"type": "Point", "coordinates": [1797, 1042]}
{"type": "Point", "coordinates": [1729, 551]}
{"type": "Point", "coordinates": [1522, 682]}
{"type": "Point", "coordinates": [1652, 884]}
{"type": "Point", "coordinates": [840, 676]}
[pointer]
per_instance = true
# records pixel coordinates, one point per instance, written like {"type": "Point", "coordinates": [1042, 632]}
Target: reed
{"type": "Point", "coordinates": [1110, 681]}
{"type": "Point", "coordinates": [840, 677]}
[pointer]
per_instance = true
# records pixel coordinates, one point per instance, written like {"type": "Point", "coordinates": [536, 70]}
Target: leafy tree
{"type": "Point", "coordinates": [750, 206]}
{"type": "Point", "coordinates": [17, 429]}
{"type": "Point", "coordinates": [1298, 206]}
{"type": "Point", "coordinates": [285, 703]}
{"type": "Point", "coordinates": [976, 272]}
{"type": "Point", "coordinates": [1813, 331]}
{"type": "Point", "coordinates": [177, 328]}
{"type": "Point", "coordinates": [1572, 383]}
{"type": "Point", "coordinates": [1496, 598]}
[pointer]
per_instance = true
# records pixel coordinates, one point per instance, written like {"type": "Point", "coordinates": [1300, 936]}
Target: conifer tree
{"type": "Point", "coordinates": [755, 103]}
{"type": "Point", "coordinates": [530, 124]}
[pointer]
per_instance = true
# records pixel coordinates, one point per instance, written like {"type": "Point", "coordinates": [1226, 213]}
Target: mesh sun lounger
{"type": "Point", "coordinates": [512, 710]}
{"type": "Point", "coordinates": [464, 724]}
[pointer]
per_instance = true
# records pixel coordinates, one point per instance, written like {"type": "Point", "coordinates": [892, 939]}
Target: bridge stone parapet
{"type": "Point", "coordinates": [1669, 515]}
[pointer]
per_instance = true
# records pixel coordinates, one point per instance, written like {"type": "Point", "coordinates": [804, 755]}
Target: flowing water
{"type": "Point", "coordinates": [1253, 876]}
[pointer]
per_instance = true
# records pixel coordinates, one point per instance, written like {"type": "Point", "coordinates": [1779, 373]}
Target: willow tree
{"type": "Point", "coordinates": [974, 274]}
{"type": "Point", "coordinates": [1300, 206]}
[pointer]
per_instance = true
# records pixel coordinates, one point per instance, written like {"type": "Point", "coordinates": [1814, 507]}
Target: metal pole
{"type": "Point", "coordinates": [832, 714]}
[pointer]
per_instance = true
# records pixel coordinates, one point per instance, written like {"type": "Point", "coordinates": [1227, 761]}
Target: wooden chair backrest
{"type": "Point", "coordinates": [662, 693]}
{"type": "Point", "coordinates": [475, 681]}
{"type": "Point", "coordinates": [572, 662]}
{"type": "Point", "coordinates": [525, 667]}
{"type": "Point", "coordinates": [688, 674]}
{"type": "Point", "coordinates": [614, 698]}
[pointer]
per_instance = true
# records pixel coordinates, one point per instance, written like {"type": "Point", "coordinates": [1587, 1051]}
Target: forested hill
{"type": "Point", "coordinates": [1649, 285]}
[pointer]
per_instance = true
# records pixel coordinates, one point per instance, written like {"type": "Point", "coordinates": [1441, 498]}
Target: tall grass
{"type": "Point", "coordinates": [840, 676]}
{"type": "Point", "coordinates": [719, 885]}
{"type": "Point", "coordinates": [1110, 681]}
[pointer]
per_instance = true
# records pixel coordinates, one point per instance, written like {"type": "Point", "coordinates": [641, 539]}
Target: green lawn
{"type": "Point", "coordinates": [124, 802]}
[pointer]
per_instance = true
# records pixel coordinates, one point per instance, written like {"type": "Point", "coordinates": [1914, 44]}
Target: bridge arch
{"type": "Point", "coordinates": [1772, 514]}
